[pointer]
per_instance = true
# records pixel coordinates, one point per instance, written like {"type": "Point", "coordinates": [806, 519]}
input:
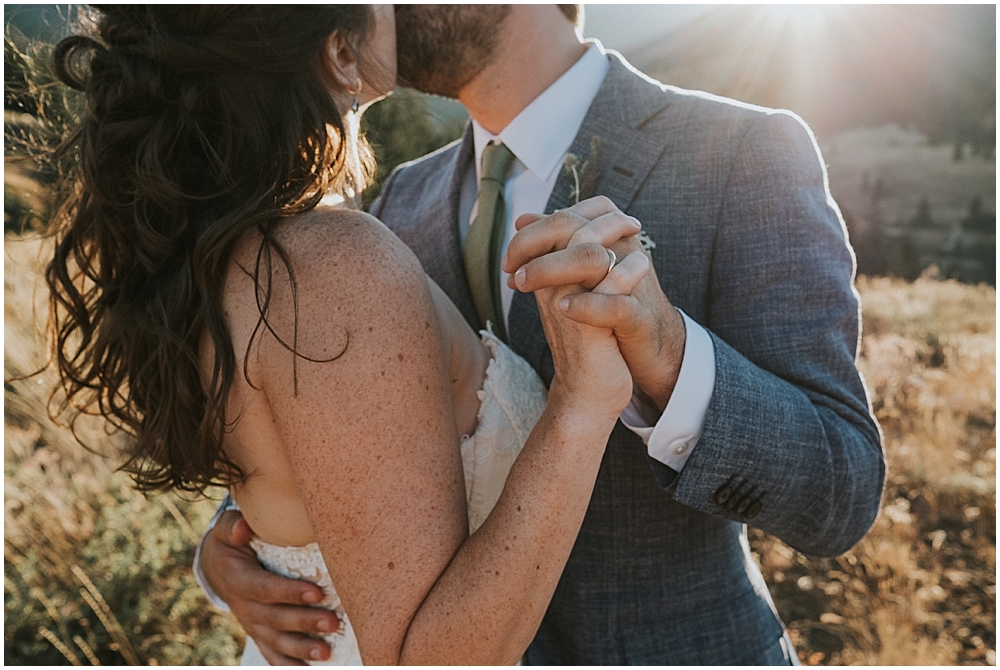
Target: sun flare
{"type": "Point", "coordinates": [800, 14]}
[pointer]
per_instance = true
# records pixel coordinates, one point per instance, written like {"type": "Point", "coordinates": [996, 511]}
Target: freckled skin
{"type": "Point", "coordinates": [372, 470]}
{"type": "Point", "coordinates": [280, 516]}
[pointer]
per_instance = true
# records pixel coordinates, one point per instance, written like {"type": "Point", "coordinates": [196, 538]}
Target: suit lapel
{"type": "Point", "coordinates": [626, 101]}
{"type": "Point", "coordinates": [440, 239]}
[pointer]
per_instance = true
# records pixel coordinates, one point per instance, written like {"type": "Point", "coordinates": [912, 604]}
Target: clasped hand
{"type": "Point", "coordinates": [565, 254]}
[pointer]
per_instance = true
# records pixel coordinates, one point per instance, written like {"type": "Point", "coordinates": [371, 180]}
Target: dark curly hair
{"type": "Point", "coordinates": [202, 124]}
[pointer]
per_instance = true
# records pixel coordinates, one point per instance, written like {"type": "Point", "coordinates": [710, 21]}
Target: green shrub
{"type": "Point", "coordinates": [407, 125]}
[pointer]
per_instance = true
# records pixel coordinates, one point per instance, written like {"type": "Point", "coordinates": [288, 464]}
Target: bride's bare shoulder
{"type": "Point", "coordinates": [332, 253]}
{"type": "Point", "coordinates": [350, 245]}
{"type": "Point", "coordinates": [332, 275]}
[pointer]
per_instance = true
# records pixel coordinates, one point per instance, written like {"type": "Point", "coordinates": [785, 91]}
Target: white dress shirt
{"type": "Point", "coordinates": [539, 137]}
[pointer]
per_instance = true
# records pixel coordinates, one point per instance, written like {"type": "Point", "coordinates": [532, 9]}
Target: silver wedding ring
{"type": "Point", "coordinates": [612, 259]}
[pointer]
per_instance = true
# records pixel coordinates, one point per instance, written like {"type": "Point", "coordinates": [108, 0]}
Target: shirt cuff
{"type": "Point", "coordinates": [227, 504]}
{"type": "Point", "coordinates": [675, 434]}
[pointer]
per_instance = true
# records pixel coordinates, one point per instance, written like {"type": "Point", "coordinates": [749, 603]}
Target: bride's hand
{"type": "Point", "coordinates": [590, 374]}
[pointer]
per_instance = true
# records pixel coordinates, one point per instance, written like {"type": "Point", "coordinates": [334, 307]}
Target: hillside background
{"type": "Point", "coordinates": [902, 99]}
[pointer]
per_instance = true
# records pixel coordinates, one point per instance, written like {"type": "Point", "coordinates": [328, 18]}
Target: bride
{"type": "Point", "coordinates": [242, 332]}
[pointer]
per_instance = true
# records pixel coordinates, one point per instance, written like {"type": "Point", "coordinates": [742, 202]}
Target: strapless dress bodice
{"type": "Point", "coordinates": [511, 401]}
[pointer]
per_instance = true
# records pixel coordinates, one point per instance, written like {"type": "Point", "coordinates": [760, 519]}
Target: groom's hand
{"type": "Point", "coordinates": [569, 247]}
{"type": "Point", "coordinates": [273, 610]}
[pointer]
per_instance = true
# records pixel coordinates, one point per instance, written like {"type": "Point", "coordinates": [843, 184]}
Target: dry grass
{"type": "Point", "coordinates": [95, 573]}
{"type": "Point", "coordinates": [920, 589]}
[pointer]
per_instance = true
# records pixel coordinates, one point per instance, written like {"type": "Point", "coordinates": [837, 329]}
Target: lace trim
{"type": "Point", "coordinates": [307, 563]}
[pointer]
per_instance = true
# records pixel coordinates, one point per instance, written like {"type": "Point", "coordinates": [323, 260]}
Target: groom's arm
{"type": "Point", "coordinates": [788, 442]}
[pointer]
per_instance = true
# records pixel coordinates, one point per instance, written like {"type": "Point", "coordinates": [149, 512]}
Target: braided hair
{"type": "Point", "coordinates": [202, 124]}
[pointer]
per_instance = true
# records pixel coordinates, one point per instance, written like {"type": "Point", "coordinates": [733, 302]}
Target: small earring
{"type": "Point", "coordinates": [354, 93]}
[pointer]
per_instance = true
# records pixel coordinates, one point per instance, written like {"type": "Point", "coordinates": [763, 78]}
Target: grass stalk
{"type": "Point", "coordinates": [57, 643]}
{"type": "Point", "coordinates": [182, 521]}
{"type": "Point", "coordinates": [87, 651]}
{"type": "Point", "coordinates": [97, 602]}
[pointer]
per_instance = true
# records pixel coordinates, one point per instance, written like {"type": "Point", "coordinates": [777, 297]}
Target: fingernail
{"type": "Point", "coordinates": [323, 626]}
{"type": "Point", "coordinates": [310, 597]}
{"type": "Point", "coordinates": [316, 654]}
{"type": "Point", "coordinates": [564, 304]}
{"type": "Point", "coordinates": [635, 222]}
{"type": "Point", "coordinates": [519, 277]}
{"type": "Point", "coordinates": [503, 263]}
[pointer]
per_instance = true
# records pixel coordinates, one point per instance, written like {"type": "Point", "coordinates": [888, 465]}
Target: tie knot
{"type": "Point", "coordinates": [497, 159]}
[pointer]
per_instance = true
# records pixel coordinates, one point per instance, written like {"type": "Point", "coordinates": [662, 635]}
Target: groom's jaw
{"type": "Point", "coordinates": [536, 45]}
{"type": "Point", "coordinates": [495, 59]}
{"type": "Point", "coordinates": [441, 48]}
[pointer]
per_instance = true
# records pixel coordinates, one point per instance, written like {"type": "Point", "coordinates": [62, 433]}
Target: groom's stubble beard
{"type": "Point", "coordinates": [441, 48]}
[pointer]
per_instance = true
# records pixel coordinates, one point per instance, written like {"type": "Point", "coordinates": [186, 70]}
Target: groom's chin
{"type": "Point", "coordinates": [441, 48]}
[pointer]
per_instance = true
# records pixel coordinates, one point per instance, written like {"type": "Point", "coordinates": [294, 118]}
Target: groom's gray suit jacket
{"type": "Point", "coordinates": [750, 245]}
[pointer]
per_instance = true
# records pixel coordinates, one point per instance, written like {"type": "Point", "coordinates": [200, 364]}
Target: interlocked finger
{"type": "Point", "coordinates": [620, 313]}
{"type": "Point", "coordinates": [591, 208]}
{"type": "Point", "coordinates": [526, 220]}
{"type": "Point", "coordinates": [606, 229]}
{"type": "Point", "coordinates": [609, 305]}
{"type": "Point", "coordinates": [540, 237]}
{"type": "Point", "coordinates": [584, 264]}
{"type": "Point", "coordinates": [565, 229]}
{"type": "Point", "coordinates": [624, 275]}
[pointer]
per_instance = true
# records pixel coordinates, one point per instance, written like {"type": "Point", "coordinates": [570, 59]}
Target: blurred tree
{"type": "Point", "coordinates": [404, 126]}
{"type": "Point", "coordinates": [903, 259]}
{"type": "Point", "coordinates": [978, 220]}
{"type": "Point", "coordinates": [922, 219]}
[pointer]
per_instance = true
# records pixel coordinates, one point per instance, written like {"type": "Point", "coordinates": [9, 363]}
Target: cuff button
{"type": "Point", "coordinates": [736, 496]}
{"type": "Point", "coordinates": [723, 493]}
{"type": "Point", "coordinates": [744, 503]}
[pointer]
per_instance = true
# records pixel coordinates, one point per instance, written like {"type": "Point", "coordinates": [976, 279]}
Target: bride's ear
{"type": "Point", "coordinates": [341, 65]}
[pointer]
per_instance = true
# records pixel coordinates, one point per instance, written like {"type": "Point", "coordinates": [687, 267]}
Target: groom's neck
{"type": "Point", "coordinates": [537, 45]}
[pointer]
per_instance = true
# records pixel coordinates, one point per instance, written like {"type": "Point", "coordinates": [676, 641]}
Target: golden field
{"type": "Point", "coordinates": [94, 573]}
{"type": "Point", "coordinates": [920, 589]}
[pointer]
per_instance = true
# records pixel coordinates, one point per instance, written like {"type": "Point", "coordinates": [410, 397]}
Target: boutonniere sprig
{"type": "Point", "coordinates": [585, 174]}
{"type": "Point", "coordinates": [585, 182]}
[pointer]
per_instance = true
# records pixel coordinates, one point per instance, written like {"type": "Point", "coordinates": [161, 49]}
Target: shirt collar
{"type": "Point", "coordinates": [542, 133]}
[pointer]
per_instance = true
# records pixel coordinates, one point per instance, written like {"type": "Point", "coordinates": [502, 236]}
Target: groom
{"type": "Point", "coordinates": [750, 408]}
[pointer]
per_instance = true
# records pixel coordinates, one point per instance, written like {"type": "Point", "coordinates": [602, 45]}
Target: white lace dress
{"type": "Point", "coordinates": [511, 401]}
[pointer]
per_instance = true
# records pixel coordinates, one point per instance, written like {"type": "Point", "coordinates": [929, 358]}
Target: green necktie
{"type": "Point", "coordinates": [485, 239]}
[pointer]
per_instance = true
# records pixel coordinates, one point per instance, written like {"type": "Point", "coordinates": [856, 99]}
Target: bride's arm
{"type": "Point", "coordinates": [372, 439]}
